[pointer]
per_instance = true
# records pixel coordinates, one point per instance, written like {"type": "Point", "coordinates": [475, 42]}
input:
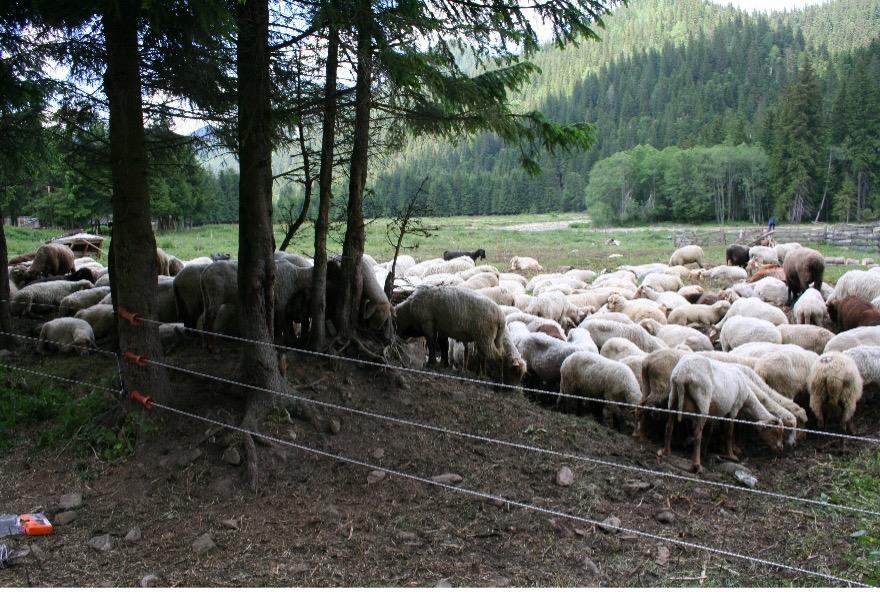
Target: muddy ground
{"type": "Point", "coordinates": [322, 522]}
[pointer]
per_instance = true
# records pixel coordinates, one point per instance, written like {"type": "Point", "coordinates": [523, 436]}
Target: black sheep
{"type": "Point", "coordinates": [737, 255]}
{"type": "Point", "coordinates": [478, 254]}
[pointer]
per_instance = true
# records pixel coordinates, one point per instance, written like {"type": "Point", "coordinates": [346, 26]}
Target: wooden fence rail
{"type": "Point", "coordinates": [859, 237]}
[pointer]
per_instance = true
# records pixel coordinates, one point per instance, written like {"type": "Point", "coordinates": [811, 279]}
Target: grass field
{"type": "Point", "coordinates": [579, 244]}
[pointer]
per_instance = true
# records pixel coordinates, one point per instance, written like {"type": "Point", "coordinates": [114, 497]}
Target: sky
{"type": "Point", "coordinates": [768, 5]}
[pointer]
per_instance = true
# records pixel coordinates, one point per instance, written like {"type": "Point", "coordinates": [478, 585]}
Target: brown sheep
{"type": "Point", "coordinates": [51, 259]}
{"type": "Point", "coordinates": [768, 270]}
{"type": "Point", "coordinates": [852, 312]}
{"type": "Point", "coordinates": [163, 261]}
{"type": "Point", "coordinates": [709, 299]}
{"type": "Point", "coordinates": [27, 257]}
{"type": "Point", "coordinates": [737, 255]}
{"type": "Point", "coordinates": [803, 267]}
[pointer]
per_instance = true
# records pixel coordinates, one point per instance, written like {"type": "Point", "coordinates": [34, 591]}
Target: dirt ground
{"type": "Point", "coordinates": [322, 522]}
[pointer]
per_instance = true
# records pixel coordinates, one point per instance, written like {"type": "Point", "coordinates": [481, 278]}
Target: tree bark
{"type": "Point", "coordinates": [134, 265]}
{"type": "Point", "coordinates": [353, 246]}
{"type": "Point", "coordinates": [317, 334]}
{"type": "Point", "coordinates": [256, 265]}
{"type": "Point", "coordinates": [6, 341]}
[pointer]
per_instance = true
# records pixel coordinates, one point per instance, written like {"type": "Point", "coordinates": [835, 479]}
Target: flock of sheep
{"type": "Point", "coordinates": [749, 339]}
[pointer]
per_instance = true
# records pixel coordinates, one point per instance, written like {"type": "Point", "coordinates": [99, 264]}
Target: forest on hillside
{"type": "Point", "coordinates": [729, 115]}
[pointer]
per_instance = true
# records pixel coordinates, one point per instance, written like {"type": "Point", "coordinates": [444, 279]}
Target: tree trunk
{"type": "Point", "coordinates": [353, 246]}
{"type": "Point", "coordinates": [256, 265]}
{"type": "Point", "coordinates": [307, 188]}
{"type": "Point", "coordinates": [6, 341]}
{"type": "Point", "coordinates": [134, 263]}
{"type": "Point", "coordinates": [317, 334]}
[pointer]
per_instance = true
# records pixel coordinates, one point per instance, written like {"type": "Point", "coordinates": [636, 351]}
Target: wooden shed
{"type": "Point", "coordinates": [82, 243]}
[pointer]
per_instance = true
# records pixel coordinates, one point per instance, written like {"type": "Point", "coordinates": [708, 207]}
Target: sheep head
{"type": "Point", "coordinates": [616, 303]}
{"type": "Point", "coordinates": [772, 432]}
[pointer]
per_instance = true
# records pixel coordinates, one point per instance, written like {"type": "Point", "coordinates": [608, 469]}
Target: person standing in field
{"type": "Point", "coordinates": [771, 224]}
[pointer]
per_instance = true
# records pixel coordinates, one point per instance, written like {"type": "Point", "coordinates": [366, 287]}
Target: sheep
{"type": "Point", "coordinates": [603, 330]}
{"type": "Point", "coordinates": [740, 330]}
{"type": "Point", "coordinates": [704, 386]}
{"type": "Point", "coordinates": [810, 337]}
{"type": "Point", "coordinates": [671, 300]}
{"type": "Point", "coordinates": [174, 266]}
{"type": "Point", "coordinates": [524, 264]}
{"type": "Point", "coordinates": [790, 413]}
{"type": "Point", "coordinates": [455, 313]}
{"type": "Point", "coordinates": [555, 306]}
{"type": "Point", "coordinates": [66, 334]}
{"type": "Point", "coordinates": [772, 291]}
{"type": "Point", "coordinates": [513, 277]}
{"type": "Point", "coordinates": [656, 370]}
{"type": "Point", "coordinates": [198, 261]}
{"type": "Point", "coordinates": [786, 371]}
{"type": "Point", "coordinates": [755, 308]}
{"type": "Point", "coordinates": [219, 286]}
{"type": "Point", "coordinates": [582, 339]}
{"type": "Point", "coordinates": [303, 261]}
{"type": "Point", "coordinates": [852, 312]}
{"type": "Point", "coordinates": [51, 259]}
{"type": "Point", "coordinates": [498, 295]}
{"type": "Point", "coordinates": [101, 318]}
{"type": "Point", "coordinates": [702, 314]}
{"type": "Point", "coordinates": [19, 259]}
{"type": "Point", "coordinates": [103, 281]}
{"type": "Point", "coordinates": [45, 297]}
{"type": "Point", "coordinates": [188, 294]}
{"type": "Point", "coordinates": [643, 271]}
{"type": "Point", "coordinates": [292, 292]}
{"type": "Point", "coordinates": [690, 293]}
{"type": "Point", "coordinates": [585, 374]}
{"type": "Point", "coordinates": [543, 356]}
{"type": "Point", "coordinates": [79, 300]}
{"type": "Point", "coordinates": [759, 272]}
{"type": "Point", "coordinates": [511, 287]}
{"type": "Point", "coordinates": [662, 282]}
{"type": "Point", "coordinates": [166, 308]}
{"type": "Point", "coordinates": [782, 249]}
{"type": "Point", "coordinates": [537, 324]}
{"type": "Point", "coordinates": [637, 310]}
{"type": "Point", "coordinates": [375, 308]}
{"type": "Point", "coordinates": [835, 389]}
{"type": "Point", "coordinates": [674, 335]}
{"type": "Point", "coordinates": [681, 271]}
{"type": "Point", "coordinates": [558, 283]}
{"type": "Point", "coordinates": [441, 279]}
{"type": "Point", "coordinates": [591, 298]}
{"type": "Point", "coordinates": [435, 266]}
{"type": "Point", "coordinates": [867, 360]}
{"type": "Point", "coordinates": [737, 291]}
{"type": "Point", "coordinates": [163, 261]}
{"type": "Point", "coordinates": [84, 273]}
{"type": "Point", "coordinates": [803, 267]}
{"type": "Point", "coordinates": [478, 254]}
{"type": "Point", "coordinates": [810, 308]}
{"type": "Point", "coordinates": [618, 348]}
{"type": "Point", "coordinates": [762, 255]}
{"type": "Point", "coordinates": [864, 284]}
{"type": "Point", "coordinates": [724, 275]}
{"type": "Point", "coordinates": [710, 299]}
{"type": "Point", "coordinates": [854, 338]}
{"type": "Point", "coordinates": [737, 255]}
{"type": "Point", "coordinates": [170, 335]}
{"type": "Point", "coordinates": [584, 275]}
{"type": "Point", "coordinates": [481, 280]}
{"type": "Point", "coordinates": [469, 273]}
{"type": "Point", "coordinates": [687, 255]}
{"type": "Point", "coordinates": [762, 348]}
{"type": "Point", "coordinates": [604, 314]}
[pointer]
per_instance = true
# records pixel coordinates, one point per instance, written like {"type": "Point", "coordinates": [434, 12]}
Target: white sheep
{"type": "Point", "coordinates": [101, 318]}
{"type": "Point", "coordinates": [513, 277]}
{"type": "Point", "coordinates": [787, 371]}
{"type": "Point", "coordinates": [771, 290]}
{"type": "Point", "coordinates": [763, 255]}
{"type": "Point", "coordinates": [525, 264]}
{"type": "Point", "coordinates": [691, 293]}
{"type": "Point", "coordinates": [543, 355]}
{"type": "Point", "coordinates": [537, 324]}
{"type": "Point", "coordinates": [605, 314]}
{"type": "Point", "coordinates": [671, 300]}
{"type": "Point", "coordinates": [618, 348]}
{"type": "Point", "coordinates": [741, 290]}
{"type": "Point", "coordinates": [638, 309]}
{"type": "Point", "coordinates": [584, 275]}
{"type": "Point", "coordinates": [782, 250]}
{"type": "Point", "coordinates": [498, 295]}
{"type": "Point", "coordinates": [710, 388]}
{"type": "Point", "coordinates": [755, 308]}
{"type": "Point", "coordinates": [603, 330]}
{"type": "Point", "coordinates": [44, 297]}
{"type": "Point", "coordinates": [554, 305]}
{"type": "Point", "coordinates": [740, 330]}
{"type": "Point", "coordinates": [763, 348]}
{"type": "Point", "coordinates": [835, 389]}
{"type": "Point", "coordinates": [582, 339]}
{"type": "Point", "coordinates": [435, 266]}
{"type": "Point", "coordinates": [810, 308]}
{"type": "Point", "coordinates": [585, 374]}
{"type": "Point", "coordinates": [675, 335]}
{"type": "Point", "coordinates": [724, 275]}
{"type": "Point", "coordinates": [662, 282]}
{"type": "Point", "coordinates": [864, 284]}
{"type": "Point", "coordinates": [687, 255]}
{"type": "Point", "coordinates": [869, 336]}
{"type": "Point", "coordinates": [83, 299]}
{"type": "Point", "coordinates": [809, 337]}
{"type": "Point", "coordinates": [867, 359]}
{"type": "Point", "coordinates": [66, 334]}
{"type": "Point", "coordinates": [438, 279]}
{"type": "Point", "coordinates": [701, 314]}
{"type": "Point", "coordinates": [478, 281]}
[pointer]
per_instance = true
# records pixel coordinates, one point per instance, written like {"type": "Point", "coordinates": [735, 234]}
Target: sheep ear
{"type": "Point", "coordinates": [369, 310]}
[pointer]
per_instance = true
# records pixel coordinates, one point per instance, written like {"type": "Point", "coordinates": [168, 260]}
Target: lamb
{"type": "Point", "coordinates": [687, 255]}
{"type": "Point", "coordinates": [724, 275]}
{"type": "Point", "coordinates": [809, 337]}
{"type": "Point", "coordinates": [451, 312]}
{"type": "Point", "coordinates": [637, 310]}
{"type": "Point", "coordinates": [810, 308]}
{"type": "Point", "coordinates": [674, 335]}
{"type": "Point", "coordinates": [618, 348]}
{"type": "Point", "coordinates": [803, 267]}
{"type": "Point", "coordinates": [740, 330]}
{"type": "Point", "coordinates": [481, 280]}
{"type": "Point", "coordinates": [498, 295]}
{"type": "Point", "coordinates": [867, 360]}
{"type": "Point", "coordinates": [101, 318]}
{"type": "Point", "coordinates": [84, 273]}
{"type": "Point", "coordinates": [852, 312]}
{"type": "Point", "coordinates": [77, 301]}
{"type": "Point", "coordinates": [737, 255]}
{"type": "Point", "coordinates": [701, 385]}
{"type": "Point", "coordinates": [478, 254]}
{"type": "Point", "coordinates": [701, 314]}
{"type": "Point", "coordinates": [51, 259]}
{"type": "Point", "coordinates": [755, 308]}
{"type": "Point", "coordinates": [864, 284]}
{"type": "Point", "coordinates": [603, 330]}
{"type": "Point", "coordinates": [763, 254]}
{"type": "Point", "coordinates": [525, 264]}
{"type": "Point", "coordinates": [671, 300]}
{"type": "Point", "coordinates": [854, 338]}
{"type": "Point", "coordinates": [581, 338]}
{"type": "Point", "coordinates": [44, 298]}
{"type": "Point", "coordinates": [835, 389]}
{"type": "Point", "coordinates": [772, 291]}
{"type": "Point", "coordinates": [584, 374]}
{"type": "Point", "coordinates": [662, 282]}
{"type": "Point", "coordinates": [66, 334]}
